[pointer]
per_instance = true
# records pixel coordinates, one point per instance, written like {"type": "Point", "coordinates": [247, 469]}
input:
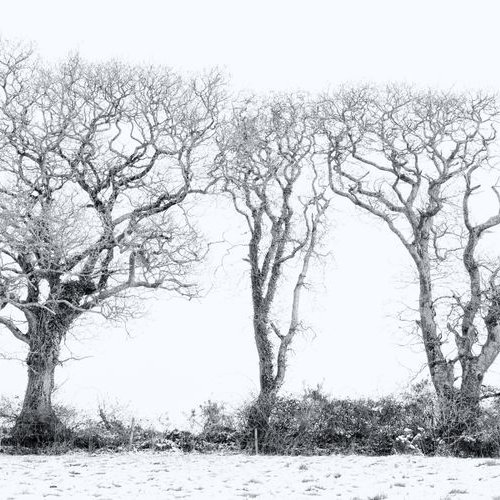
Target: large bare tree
{"type": "Point", "coordinates": [421, 161]}
{"type": "Point", "coordinates": [266, 167]}
{"type": "Point", "coordinates": [96, 162]}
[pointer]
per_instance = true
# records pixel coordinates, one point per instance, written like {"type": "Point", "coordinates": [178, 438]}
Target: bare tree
{"type": "Point", "coordinates": [266, 166]}
{"type": "Point", "coordinates": [96, 162]}
{"type": "Point", "coordinates": [421, 162]}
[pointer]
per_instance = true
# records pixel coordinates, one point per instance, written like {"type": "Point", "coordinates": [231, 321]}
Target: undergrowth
{"type": "Point", "coordinates": [312, 423]}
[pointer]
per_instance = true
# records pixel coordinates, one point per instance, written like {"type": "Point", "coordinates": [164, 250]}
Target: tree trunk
{"type": "Point", "coordinates": [260, 416]}
{"type": "Point", "coordinates": [458, 409]}
{"type": "Point", "coordinates": [268, 386]}
{"type": "Point", "coordinates": [37, 424]}
{"type": "Point", "coordinates": [458, 414]}
{"type": "Point", "coordinates": [442, 374]}
{"type": "Point", "coordinates": [458, 420]}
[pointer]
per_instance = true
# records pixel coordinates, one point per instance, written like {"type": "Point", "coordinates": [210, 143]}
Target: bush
{"type": "Point", "coordinates": [218, 426]}
{"type": "Point", "coordinates": [9, 410]}
{"type": "Point", "coordinates": [316, 424]}
{"type": "Point", "coordinates": [313, 423]}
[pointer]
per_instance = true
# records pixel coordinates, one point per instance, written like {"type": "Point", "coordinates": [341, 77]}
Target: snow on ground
{"type": "Point", "coordinates": [157, 475]}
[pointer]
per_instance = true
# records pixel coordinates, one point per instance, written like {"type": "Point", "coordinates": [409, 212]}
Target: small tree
{"type": "Point", "coordinates": [95, 164]}
{"type": "Point", "coordinates": [420, 162]}
{"type": "Point", "coordinates": [266, 166]}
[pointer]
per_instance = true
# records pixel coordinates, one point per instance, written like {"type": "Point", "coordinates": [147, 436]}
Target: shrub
{"type": "Point", "coordinates": [313, 423]}
{"type": "Point", "coordinates": [317, 423]}
{"type": "Point", "coordinates": [218, 426]}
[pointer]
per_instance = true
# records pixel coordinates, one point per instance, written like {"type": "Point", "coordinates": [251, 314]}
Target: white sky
{"type": "Point", "coordinates": [180, 354]}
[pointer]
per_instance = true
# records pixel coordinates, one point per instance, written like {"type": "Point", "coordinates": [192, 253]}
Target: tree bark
{"type": "Point", "coordinates": [442, 374]}
{"type": "Point", "coordinates": [458, 416]}
{"type": "Point", "coordinates": [458, 408]}
{"type": "Point", "coordinates": [260, 415]}
{"type": "Point", "coordinates": [37, 424]}
{"type": "Point", "coordinates": [260, 412]}
{"type": "Point", "coordinates": [265, 352]}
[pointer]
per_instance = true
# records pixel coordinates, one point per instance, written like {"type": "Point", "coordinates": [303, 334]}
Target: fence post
{"type": "Point", "coordinates": [256, 438]}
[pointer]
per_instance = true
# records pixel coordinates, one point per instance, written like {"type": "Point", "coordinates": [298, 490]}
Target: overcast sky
{"type": "Point", "coordinates": [182, 353]}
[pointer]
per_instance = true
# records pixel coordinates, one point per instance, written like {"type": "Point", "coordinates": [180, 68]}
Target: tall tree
{"type": "Point", "coordinates": [266, 166]}
{"type": "Point", "coordinates": [96, 162]}
{"type": "Point", "coordinates": [421, 162]}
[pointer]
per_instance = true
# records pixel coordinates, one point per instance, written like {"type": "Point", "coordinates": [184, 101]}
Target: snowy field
{"type": "Point", "coordinates": [149, 475]}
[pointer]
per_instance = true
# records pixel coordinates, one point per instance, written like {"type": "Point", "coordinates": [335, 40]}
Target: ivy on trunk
{"type": "Point", "coordinates": [265, 165]}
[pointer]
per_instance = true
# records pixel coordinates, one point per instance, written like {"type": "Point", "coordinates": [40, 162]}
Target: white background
{"type": "Point", "coordinates": [182, 353]}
